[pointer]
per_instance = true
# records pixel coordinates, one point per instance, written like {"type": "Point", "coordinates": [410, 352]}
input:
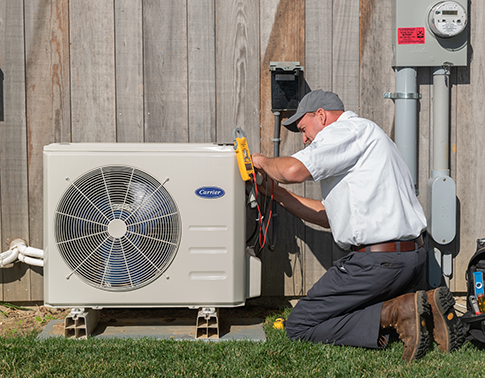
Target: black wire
{"type": "Point", "coordinates": [256, 224]}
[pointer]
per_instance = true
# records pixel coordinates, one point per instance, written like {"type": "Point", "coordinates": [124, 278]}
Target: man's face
{"type": "Point", "coordinates": [311, 124]}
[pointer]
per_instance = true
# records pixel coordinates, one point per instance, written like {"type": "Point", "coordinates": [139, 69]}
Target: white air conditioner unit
{"type": "Point", "coordinates": [145, 225]}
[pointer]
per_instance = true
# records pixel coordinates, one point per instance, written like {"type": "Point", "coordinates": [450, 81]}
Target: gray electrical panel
{"type": "Point", "coordinates": [429, 33]}
{"type": "Point", "coordinates": [441, 209]}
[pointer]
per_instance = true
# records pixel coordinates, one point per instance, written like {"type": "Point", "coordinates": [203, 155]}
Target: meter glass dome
{"type": "Point", "coordinates": [447, 19]}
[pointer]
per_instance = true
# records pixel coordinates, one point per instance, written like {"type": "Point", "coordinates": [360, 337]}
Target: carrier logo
{"type": "Point", "coordinates": [210, 192]}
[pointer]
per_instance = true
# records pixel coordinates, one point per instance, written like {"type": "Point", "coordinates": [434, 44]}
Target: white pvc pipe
{"type": "Point", "coordinates": [30, 260]}
{"type": "Point", "coordinates": [28, 255]}
{"type": "Point", "coordinates": [8, 257]}
{"type": "Point", "coordinates": [30, 251]}
{"type": "Point", "coordinates": [406, 118]}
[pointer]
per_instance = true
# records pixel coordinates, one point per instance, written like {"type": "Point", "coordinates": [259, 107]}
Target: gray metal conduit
{"type": "Point", "coordinates": [276, 140]}
{"type": "Point", "coordinates": [406, 117]}
{"type": "Point", "coordinates": [441, 201]}
{"type": "Point", "coordinates": [276, 153]}
{"type": "Point", "coordinates": [441, 124]}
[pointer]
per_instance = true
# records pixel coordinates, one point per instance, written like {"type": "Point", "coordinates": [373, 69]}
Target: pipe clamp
{"type": "Point", "coordinates": [402, 96]}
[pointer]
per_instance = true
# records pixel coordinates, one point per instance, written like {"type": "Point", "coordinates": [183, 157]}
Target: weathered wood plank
{"type": "Point", "coordinates": [165, 71]}
{"type": "Point", "coordinates": [469, 148]}
{"type": "Point", "coordinates": [282, 40]}
{"type": "Point", "coordinates": [201, 71]}
{"type": "Point", "coordinates": [377, 75]}
{"type": "Point", "coordinates": [129, 71]}
{"type": "Point", "coordinates": [319, 75]}
{"type": "Point", "coordinates": [13, 143]}
{"type": "Point", "coordinates": [319, 44]}
{"type": "Point", "coordinates": [238, 68]}
{"type": "Point", "coordinates": [92, 71]}
{"type": "Point", "coordinates": [48, 104]}
{"type": "Point", "coordinates": [346, 52]}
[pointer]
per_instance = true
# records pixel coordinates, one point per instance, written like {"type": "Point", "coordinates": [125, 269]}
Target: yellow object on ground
{"type": "Point", "coordinates": [279, 323]}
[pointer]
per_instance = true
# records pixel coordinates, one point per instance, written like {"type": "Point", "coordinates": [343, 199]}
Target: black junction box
{"type": "Point", "coordinates": [286, 85]}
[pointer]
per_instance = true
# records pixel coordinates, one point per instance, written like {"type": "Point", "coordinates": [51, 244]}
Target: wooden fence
{"type": "Point", "coordinates": [192, 71]}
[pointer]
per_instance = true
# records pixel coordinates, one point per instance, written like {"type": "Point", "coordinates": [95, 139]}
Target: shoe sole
{"type": "Point", "coordinates": [445, 321]}
{"type": "Point", "coordinates": [423, 311]}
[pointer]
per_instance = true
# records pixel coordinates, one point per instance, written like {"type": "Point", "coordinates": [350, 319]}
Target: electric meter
{"type": "Point", "coordinates": [429, 33]}
{"type": "Point", "coordinates": [447, 19]}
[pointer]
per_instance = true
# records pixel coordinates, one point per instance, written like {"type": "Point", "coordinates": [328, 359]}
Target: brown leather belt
{"type": "Point", "coordinates": [395, 246]}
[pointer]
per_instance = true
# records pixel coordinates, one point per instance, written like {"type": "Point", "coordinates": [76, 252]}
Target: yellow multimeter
{"type": "Point", "coordinates": [243, 156]}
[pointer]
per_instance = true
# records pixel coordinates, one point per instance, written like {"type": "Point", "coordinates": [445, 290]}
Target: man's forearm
{"type": "Point", "coordinates": [307, 209]}
{"type": "Point", "coordinates": [285, 170]}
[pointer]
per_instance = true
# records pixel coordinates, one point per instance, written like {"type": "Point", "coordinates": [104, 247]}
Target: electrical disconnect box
{"type": "Point", "coordinates": [429, 33]}
{"type": "Point", "coordinates": [286, 85]}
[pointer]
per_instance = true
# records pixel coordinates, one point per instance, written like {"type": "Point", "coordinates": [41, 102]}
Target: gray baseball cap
{"type": "Point", "coordinates": [311, 102]}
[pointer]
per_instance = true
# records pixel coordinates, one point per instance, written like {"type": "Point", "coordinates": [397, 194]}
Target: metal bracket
{"type": "Point", "coordinates": [285, 66]}
{"type": "Point", "coordinates": [81, 322]}
{"type": "Point", "coordinates": [402, 96]}
{"type": "Point", "coordinates": [207, 326]}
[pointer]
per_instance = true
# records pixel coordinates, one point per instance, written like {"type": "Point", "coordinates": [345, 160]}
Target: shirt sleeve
{"type": "Point", "coordinates": [334, 151]}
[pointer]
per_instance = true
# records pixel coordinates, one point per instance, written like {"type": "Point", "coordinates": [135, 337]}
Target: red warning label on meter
{"type": "Point", "coordinates": [410, 36]}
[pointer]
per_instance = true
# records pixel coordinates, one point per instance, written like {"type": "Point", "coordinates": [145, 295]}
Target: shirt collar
{"type": "Point", "coordinates": [346, 115]}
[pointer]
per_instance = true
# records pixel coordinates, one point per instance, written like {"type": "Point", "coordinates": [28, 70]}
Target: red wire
{"type": "Point", "coordinates": [257, 205]}
{"type": "Point", "coordinates": [259, 212]}
{"type": "Point", "coordinates": [269, 217]}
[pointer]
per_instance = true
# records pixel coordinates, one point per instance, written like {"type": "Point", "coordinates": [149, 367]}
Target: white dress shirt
{"type": "Point", "coordinates": [367, 189]}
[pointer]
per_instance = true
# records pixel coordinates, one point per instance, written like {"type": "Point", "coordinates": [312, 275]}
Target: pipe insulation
{"type": "Point", "coordinates": [30, 260]}
{"type": "Point", "coordinates": [8, 257]}
{"type": "Point", "coordinates": [30, 251]}
{"type": "Point", "coordinates": [19, 250]}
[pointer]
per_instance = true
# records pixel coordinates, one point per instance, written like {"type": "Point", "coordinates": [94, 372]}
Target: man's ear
{"type": "Point", "coordinates": [322, 116]}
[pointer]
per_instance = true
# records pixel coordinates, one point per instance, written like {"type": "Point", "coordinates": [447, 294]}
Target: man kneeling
{"type": "Point", "coordinates": [370, 205]}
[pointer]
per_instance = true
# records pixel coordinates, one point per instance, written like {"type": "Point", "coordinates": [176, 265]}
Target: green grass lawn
{"type": "Point", "coordinates": [26, 356]}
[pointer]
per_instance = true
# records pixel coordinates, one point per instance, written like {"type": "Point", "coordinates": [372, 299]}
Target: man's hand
{"type": "Point", "coordinates": [257, 159]}
{"type": "Point", "coordinates": [265, 183]}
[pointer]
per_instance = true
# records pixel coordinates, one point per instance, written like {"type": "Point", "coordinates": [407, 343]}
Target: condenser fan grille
{"type": "Point", "coordinates": [117, 228]}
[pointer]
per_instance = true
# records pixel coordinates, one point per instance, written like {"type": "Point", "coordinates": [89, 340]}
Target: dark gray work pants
{"type": "Point", "coordinates": [344, 306]}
